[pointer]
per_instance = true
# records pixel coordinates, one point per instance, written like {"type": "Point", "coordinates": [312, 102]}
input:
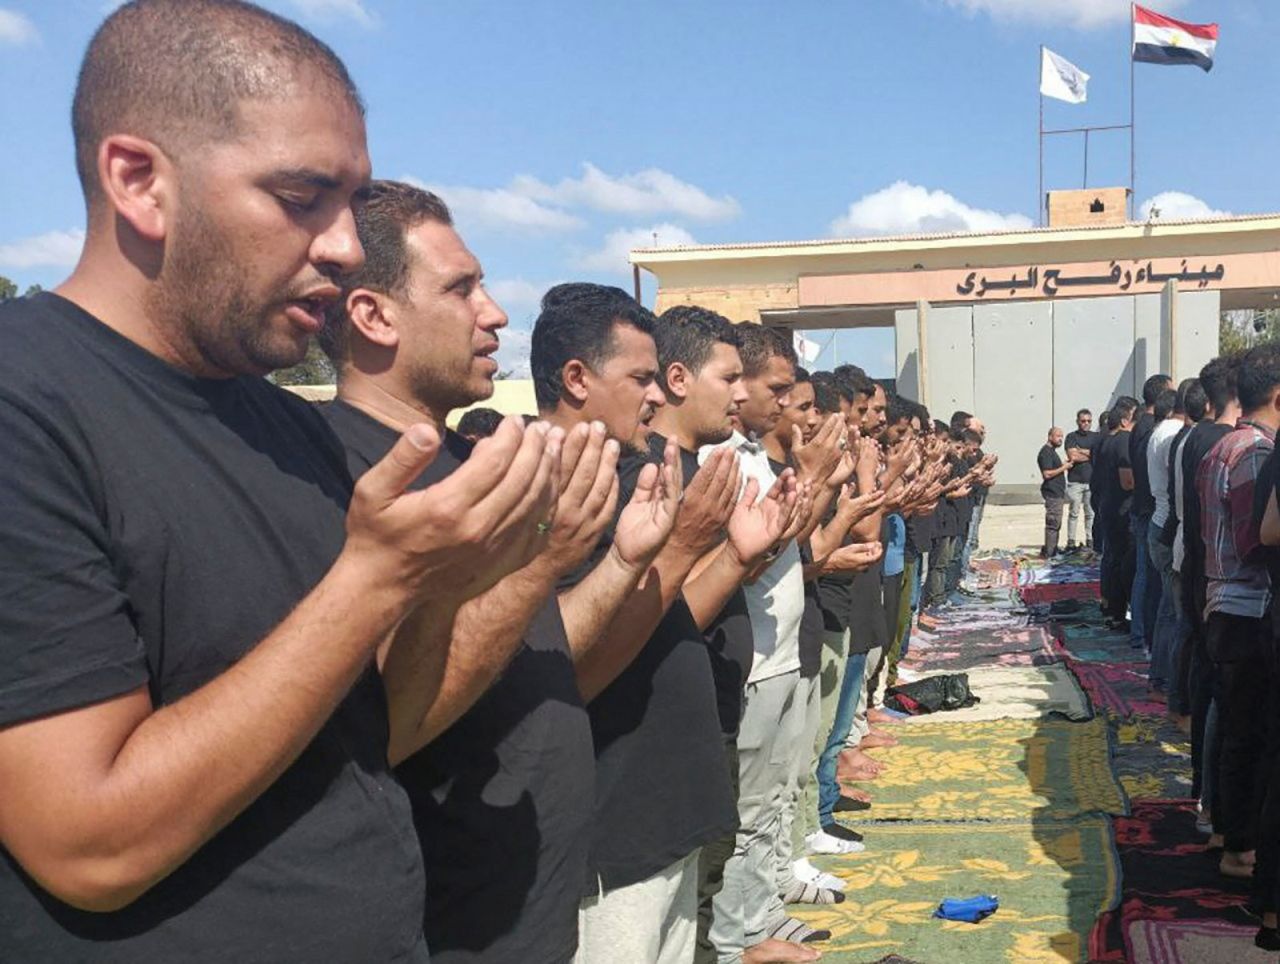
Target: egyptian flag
{"type": "Point", "coordinates": [1158, 39]}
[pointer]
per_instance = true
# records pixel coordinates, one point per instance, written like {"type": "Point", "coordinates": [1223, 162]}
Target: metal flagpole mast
{"type": "Point", "coordinates": [1040, 183]}
{"type": "Point", "coordinates": [1133, 197]}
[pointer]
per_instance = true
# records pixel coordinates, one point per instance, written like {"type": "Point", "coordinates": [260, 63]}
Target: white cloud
{"type": "Point", "coordinates": [59, 249]}
{"type": "Point", "coordinates": [16, 29]}
{"type": "Point", "coordinates": [1179, 206]}
{"type": "Point", "coordinates": [903, 208]}
{"type": "Point", "coordinates": [513, 351]}
{"type": "Point", "coordinates": [645, 193]}
{"type": "Point", "coordinates": [611, 257]}
{"type": "Point", "coordinates": [499, 208]}
{"type": "Point", "coordinates": [519, 298]}
{"type": "Point", "coordinates": [1083, 14]}
{"type": "Point", "coordinates": [336, 10]}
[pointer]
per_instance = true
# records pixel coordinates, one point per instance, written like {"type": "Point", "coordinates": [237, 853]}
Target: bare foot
{"type": "Point", "coordinates": [873, 740]}
{"type": "Point", "coordinates": [1181, 721]}
{"type": "Point", "coordinates": [1156, 696]}
{"type": "Point", "coordinates": [1269, 919]}
{"type": "Point", "coordinates": [1215, 842]}
{"type": "Point", "coordinates": [877, 715]}
{"type": "Point", "coordinates": [775, 951]}
{"type": "Point", "coordinates": [853, 793]}
{"type": "Point", "coordinates": [1236, 864]}
{"type": "Point", "coordinates": [854, 757]}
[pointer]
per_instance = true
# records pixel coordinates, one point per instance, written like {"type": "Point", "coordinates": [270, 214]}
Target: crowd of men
{"type": "Point", "coordinates": [288, 683]}
{"type": "Point", "coordinates": [1183, 490]}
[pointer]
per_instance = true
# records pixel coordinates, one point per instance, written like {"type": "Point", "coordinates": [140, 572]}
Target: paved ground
{"type": "Point", "coordinates": [1011, 526]}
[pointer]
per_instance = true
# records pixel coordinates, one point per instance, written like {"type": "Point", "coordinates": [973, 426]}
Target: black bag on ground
{"type": "Point", "coordinates": [931, 694]}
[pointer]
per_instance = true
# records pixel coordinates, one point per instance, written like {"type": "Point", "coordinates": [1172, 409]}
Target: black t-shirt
{"type": "Point", "coordinates": [1170, 531]}
{"type": "Point", "coordinates": [1048, 460]}
{"type": "Point", "coordinates": [730, 644]}
{"type": "Point", "coordinates": [1081, 471]}
{"type": "Point", "coordinates": [502, 799]}
{"type": "Point", "coordinates": [1144, 503]}
{"type": "Point", "coordinates": [154, 528]}
{"type": "Point", "coordinates": [1111, 455]}
{"type": "Point", "coordinates": [662, 780]}
{"type": "Point", "coordinates": [833, 589]}
{"type": "Point", "coordinates": [1200, 441]}
{"type": "Point", "coordinates": [868, 627]}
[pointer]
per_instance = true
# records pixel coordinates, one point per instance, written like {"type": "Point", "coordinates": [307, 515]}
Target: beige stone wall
{"type": "Point", "coordinates": [737, 303]}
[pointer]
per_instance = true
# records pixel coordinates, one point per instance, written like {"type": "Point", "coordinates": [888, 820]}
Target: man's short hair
{"type": "Point", "coordinates": [852, 382]}
{"type": "Point", "coordinates": [1195, 403]}
{"type": "Point", "coordinates": [1258, 375]}
{"type": "Point", "coordinates": [802, 376]}
{"type": "Point", "coordinates": [826, 397]}
{"type": "Point", "coordinates": [1084, 411]}
{"type": "Point", "coordinates": [1218, 379]}
{"type": "Point", "coordinates": [383, 223]}
{"type": "Point", "coordinates": [960, 420]}
{"type": "Point", "coordinates": [1124, 407]}
{"type": "Point", "coordinates": [1165, 403]}
{"type": "Point", "coordinates": [688, 334]}
{"type": "Point", "coordinates": [1111, 419]}
{"type": "Point", "coordinates": [577, 321]}
{"type": "Point", "coordinates": [175, 71]}
{"type": "Point", "coordinates": [897, 409]}
{"type": "Point", "coordinates": [970, 436]}
{"type": "Point", "coordinates": [759, 344]}
{"type": "Point", "coordinates": [1153, 386]}
{"type": "Point", "coordinates": [479, 422]}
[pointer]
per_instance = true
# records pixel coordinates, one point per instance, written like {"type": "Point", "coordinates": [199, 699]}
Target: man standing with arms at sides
{"type": "Point", "coordinates": [1079, 474]}
{"type": "Point", "coordinates": [1053, 489]}
{"type": "Point", "coordinates": [1238, 592]}
{"type": "Point", "coordinates": [1170, 420]}
{"type": "Point", "coordinates": [1112, 483]}
{"type": "Point", "coordinates": [1146, 581]}
{"type": "Point", "coordinates": [502, 798]}
{"type": "Point", "coordinates": [1218, 379]}
{"type": "Point", "coordinates": [196, 604]}
{"type": "Point", "coordinates": [662, 781]}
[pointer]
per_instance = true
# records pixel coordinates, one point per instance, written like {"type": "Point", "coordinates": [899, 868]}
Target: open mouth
{"type": "Point", "coordinates": [309, 313]}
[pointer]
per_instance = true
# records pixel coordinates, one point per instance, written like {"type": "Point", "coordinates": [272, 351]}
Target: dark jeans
{"type": "Point", "coordinates": [1146, 582]}
{"type": "Point", "coordinates": [1052, 522]}
{"type": "Point", "coordinates": [1239, 646]}
{"type": "Point", "coordinates": [711, 861]}
{"type": "Point", "coordinates": [935, 583]}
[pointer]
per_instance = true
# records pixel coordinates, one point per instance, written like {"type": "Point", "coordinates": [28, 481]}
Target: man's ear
{"type": "Point", "coordinates": [573, 378]}
{"type": "Point", "coordinates": [373, 317]}
{"type": "Point", "coordinates": [139, 181]}
{"type": "Point", "coordinates": [678, 380]}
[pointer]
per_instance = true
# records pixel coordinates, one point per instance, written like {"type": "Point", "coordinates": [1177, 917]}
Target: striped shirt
{"type": "Point", "coordinates": [1238, 583]}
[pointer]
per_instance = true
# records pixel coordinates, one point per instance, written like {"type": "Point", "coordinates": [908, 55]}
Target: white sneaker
{"type": "Point", "coordinates": [824, 843]}
{"type": "Point", "coordinates": [809, 874]}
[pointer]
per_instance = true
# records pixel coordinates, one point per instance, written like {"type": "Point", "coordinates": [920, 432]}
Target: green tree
{"type": "Point", "coordinates": [1238, 330]}
{"type": "Point", "coordinates": [314, 369]}
{"type": "Point", "coordinates": [8, 289]}
{"type": "Point", "coordinates": [32, 290]}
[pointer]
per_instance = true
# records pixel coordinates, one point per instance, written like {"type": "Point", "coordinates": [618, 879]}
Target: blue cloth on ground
{"type": "Point", "coordinates": [967, 909]}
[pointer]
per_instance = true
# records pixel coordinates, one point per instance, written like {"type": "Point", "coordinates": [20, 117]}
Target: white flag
{"type": "Point", "coordinates": [806, 349]}
{"type": "Point", "coordinates": [1061, 78]}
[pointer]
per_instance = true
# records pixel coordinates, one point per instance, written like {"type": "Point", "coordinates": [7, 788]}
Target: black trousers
{"type": "Point", "coordinates": [1240, 648]}
{"type": "Point", "coordinates": [1118, 559]}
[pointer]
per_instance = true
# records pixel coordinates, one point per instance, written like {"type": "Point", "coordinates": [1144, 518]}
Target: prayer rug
{"type": "Point", "coordinates": [1017, 692]}
{"type": "Point", "coordinates": [1052, 879]}
{"type": "Point", "coordinates": [1167, 875]}
{"type": "Point", "coordinates": [1117, 687]}
{"type": "Point", "coordinates": [1152, 757]}
{"type": "Point", "coordinates": [1038, 593]}
{"type": "Point", "coordinates": [1193, 942]}
{"type": "Point", "coordinates": [995, 770]}
{"type": "Point", "coordinates": [952, 652]}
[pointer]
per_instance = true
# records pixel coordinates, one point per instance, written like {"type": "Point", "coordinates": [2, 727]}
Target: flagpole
{"type": "Point", "coordinates": [1040, 184]}
{"type": "Point", "coordinates": [1133, 196]}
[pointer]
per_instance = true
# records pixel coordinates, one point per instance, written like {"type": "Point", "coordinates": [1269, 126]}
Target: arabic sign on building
{"type": "Point", "coordinates": [1042, 281]}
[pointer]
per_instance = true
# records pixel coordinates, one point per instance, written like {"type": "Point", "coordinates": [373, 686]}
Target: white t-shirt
{"type": "Point", "coordinates": [775, 601]}
{"type": "Point", "coordinates": [1158, 466]}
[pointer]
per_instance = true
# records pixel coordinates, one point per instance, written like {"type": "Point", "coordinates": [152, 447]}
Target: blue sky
{"type": "Point", "coordinates": [562, 133]}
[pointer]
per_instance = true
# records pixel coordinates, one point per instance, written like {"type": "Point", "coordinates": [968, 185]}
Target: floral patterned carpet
{"type": "Point", "coordinates": [1079, 826]}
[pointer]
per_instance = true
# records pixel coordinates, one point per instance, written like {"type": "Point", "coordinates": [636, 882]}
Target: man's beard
{"type": "Point", "coordinates": [202, 300]}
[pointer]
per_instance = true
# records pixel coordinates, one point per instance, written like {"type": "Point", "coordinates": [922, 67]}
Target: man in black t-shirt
{"type": "Point", "coordinates": [662, 783]}
{"type": "Point", "coordinates": [194, 737]}
{"type": "Point", "coordinates": [1053, 489]}
{"type": "Point", "coordinates": [1146, 581]}
{"type": "Point", "coordinates": [1079, 445]}
{"type": "Point", "coordinates": [1111, 484]}
{"type": "Point", "coordinates": [502, 796]}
